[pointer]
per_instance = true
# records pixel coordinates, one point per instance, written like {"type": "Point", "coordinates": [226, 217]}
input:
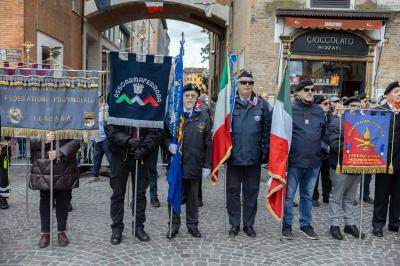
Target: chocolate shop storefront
{"type": "Point", "coordinates": [337, 50]}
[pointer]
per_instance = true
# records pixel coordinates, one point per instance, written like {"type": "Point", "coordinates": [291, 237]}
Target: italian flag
{"type": "Point", "coordinates": [281, 137]}
{"type": "Point", "coordinates": [154, 7]}
{"type": "Point", "coordinates": [222, 141]}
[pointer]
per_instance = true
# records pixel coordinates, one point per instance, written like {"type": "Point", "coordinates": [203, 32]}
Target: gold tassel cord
{"type": "Point", "coordinates": [40, 133]}
{"type": "Point", "coordinates": [340, 137]}
{"type": "Point", "coordinates": [364, 169]}
{"type": "Point", "coordinates": [391, 170]}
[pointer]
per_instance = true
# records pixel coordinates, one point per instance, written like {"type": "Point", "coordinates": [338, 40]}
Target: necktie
{"type": "Point", "coordinates": [186, 114]}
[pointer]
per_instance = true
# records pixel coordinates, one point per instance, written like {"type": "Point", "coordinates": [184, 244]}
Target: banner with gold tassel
{"type": "Point", "coordinates": [365, 145]}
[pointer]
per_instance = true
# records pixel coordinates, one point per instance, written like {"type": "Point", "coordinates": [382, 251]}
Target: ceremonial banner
{"type": "Point", "coordinates": [138, 91]}
{"type": "Point", "coordinates": [365, 146]}
{"type": "Point", "coordinates": [34, 101]}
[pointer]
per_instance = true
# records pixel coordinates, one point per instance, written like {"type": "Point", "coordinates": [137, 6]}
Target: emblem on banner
{"type": "Point", "coordinates": [89, 119]}
{"type": "Point", "coordinates": [15, 115]}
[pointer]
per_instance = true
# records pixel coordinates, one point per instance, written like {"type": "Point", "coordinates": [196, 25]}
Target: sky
{"type": "Point", "coordinates": [194, 40]}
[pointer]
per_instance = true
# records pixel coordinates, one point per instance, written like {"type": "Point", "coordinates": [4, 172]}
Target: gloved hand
{"type": "Point", "coordinates": [133, 144]}
{"type": "Point", "coordinates": [140, 153]}
{"type": "Point", "coordinates": [205, 172]}
{"type": "Point", "coordinates": [172, 148]}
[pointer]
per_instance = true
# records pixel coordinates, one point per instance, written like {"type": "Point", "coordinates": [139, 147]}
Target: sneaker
{"type": "Point", "coordinates": [287, 232]}
{"type": "Point", "coordinates": [353, 230]}
{"type": "Point", "coordinates": [308, 231]}
{"type": "Point", "coordinates": [335, 232]}
{"type": "Point", "coordinates": [94, 179]}
{"type": "Point", "coordinates": [155, 202]}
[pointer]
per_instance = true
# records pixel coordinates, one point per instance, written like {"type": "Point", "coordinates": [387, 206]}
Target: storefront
{"type": "Point", "coordinates": [337, 51]}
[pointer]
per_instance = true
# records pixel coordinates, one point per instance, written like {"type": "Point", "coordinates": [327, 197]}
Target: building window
{"type": "Point", "coordinates": [122, 41]}
{"type": "Point", "coordinates": [241, 60]}
{"type": "Point", "coordinates": [74, 6]}
{"type": "Point", "coordinates": [331, 3]}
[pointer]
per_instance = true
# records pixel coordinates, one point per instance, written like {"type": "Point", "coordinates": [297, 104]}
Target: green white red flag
{"type": "Point", "coordinates": [281, 137]}
{"type": "Point", "coordinates": [222, 141]}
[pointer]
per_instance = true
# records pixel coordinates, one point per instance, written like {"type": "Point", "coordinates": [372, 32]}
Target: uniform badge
{"type": "Point", "coordinates": [257, 118]}
{"type": "Point", "coordinates": [201, 127]}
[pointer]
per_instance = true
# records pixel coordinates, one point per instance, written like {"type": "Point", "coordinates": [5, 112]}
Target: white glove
{"type": "Point", "coordinates": [172, 148]}
{"type": "Point", "coordinates": [205, 172]}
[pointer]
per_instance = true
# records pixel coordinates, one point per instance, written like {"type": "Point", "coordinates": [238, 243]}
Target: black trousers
{"type": "Point", "coordinates": [62, 199]}
{"type": "Point", "coordinates": [326, 181]}
{"type": "Point", "coordinates": [190, 189]}
{"type": "Point", "coordinates": [118, 181]}
{"type": "Point", "coordinates": [245, 179]}
{"type": "Point", "coordinates": [387, 195]}
{"type": "Point", "coordinates": [153, 174]}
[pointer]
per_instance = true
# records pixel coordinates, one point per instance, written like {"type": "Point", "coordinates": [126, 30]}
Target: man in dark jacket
{"type": "Point", "coordinates": [5, 155]}
{"type": "Point", "coordinates": [251, 126]}
{"type": "Point", "coordinates": [344, 186]}
{"type": "Point", "coordinates": [126, 148]}
{"type": "Point", "coordinates": [387, 186]}
{"type": "Point", "coordinates": [304, 158]}
{"type": "Point", "coordinates": [196, 158]}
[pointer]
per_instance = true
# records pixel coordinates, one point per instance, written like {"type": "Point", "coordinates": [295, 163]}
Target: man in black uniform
{"type": "Point", "coordinates": [251, 126]}
{"type": "Point", "coordinates": [126, 148]}
{"type": "Point", "coordinates": [196, 158]}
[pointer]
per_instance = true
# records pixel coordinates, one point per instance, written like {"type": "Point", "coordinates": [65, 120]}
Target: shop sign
{"type": "Point", "coordinates": [329, 43]}
{"type": "Point", "coordinates": [389, 4]}
{"type": "Point", "coordinates": [11, 55]}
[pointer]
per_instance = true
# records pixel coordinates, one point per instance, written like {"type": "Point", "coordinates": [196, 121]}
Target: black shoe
{"type": "Point", "coordinates": [234, 231]}
{"type": "Point", "coordinates": [174, 232]}
{"type": "Point", "coordinates": [194, 232]}
{"type": "Point", "coordinates": [325, 200]}
{"type": "Point", "coordinates": [355, 202]}
{"type": "Point", "coordinates": [287, 232]}
{"type": "Point", "coordinates": [116, 238]}
{"type": "Point", "coordinates": [70, 207]}
{"type": "Point", "coordinates": [368, 200]}
{"type": "Point", "coordinates": [155, 202]}
{"type": "Point", "coordinates": [295, 204]}
{"type": "Point", "coordinates": [200, 203]}
{"type": "Point", "coordinates": [249, 230]}
{"type": "Point", "coordinates": [393, 229]}
{"type": "Point", "coordinates": [315, 203]}
{"type": "Point", "coordinates": [353, 230]}
{"type": "Point", "coordinates": [142, 235]}
{"type": "Point", "coordinates": [3, 203]}
{"type": "Point", "coordinates": [309, 232]}
{"type": "Point", "coordinates": [335, 232]}
{"type": "Point", "coordinates": [377, 232]}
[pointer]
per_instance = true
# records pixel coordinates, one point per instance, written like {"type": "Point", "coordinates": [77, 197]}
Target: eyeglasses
{"type": "Point", "coordinates": [245, 82]}
{"type": "Point", "coordinates": [309, 89]}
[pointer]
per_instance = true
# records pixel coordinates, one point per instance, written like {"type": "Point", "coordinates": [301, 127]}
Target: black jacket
{"type": "Point", "coordinates": [251, 127]}
{"type": "Point", "coordinates": [118, 137]}
{"type": "Point", "coordinates": [197, 144]}
{"type": "Point", "coordinates": [332, 132]}
{"type": "Point", "coordinates": [306, 150]}
{"type": "Point", "coordinates": [396, 139]}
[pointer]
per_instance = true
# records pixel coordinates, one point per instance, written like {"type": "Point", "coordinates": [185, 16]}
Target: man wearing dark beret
{"type": "Point", "coordinates": [305, 158]}
{"type": "Point", "coordinates": [251, 126]}
{"type": "Point", "coordinates": [387, 186]}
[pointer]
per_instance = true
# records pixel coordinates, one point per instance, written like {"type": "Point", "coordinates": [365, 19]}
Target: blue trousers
{"type": "Point", "coordinates": [100, 148]}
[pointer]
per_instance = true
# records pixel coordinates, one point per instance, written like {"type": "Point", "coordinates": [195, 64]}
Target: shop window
{"type": "Point", "coordinates": [331, 3]}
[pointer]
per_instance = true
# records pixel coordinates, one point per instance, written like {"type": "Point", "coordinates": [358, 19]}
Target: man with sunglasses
{"type": "Point", "coordinates": [344, 186]}
{"type": "Point", "coordinates": [305, 158]}
{"type": "Point", "coordinates": [251, 126]}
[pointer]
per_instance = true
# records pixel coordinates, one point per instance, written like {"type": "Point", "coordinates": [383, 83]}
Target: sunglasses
{"type": "Point", "coordinates": [308, 90]}
{"type": "Point", "coordinates": [325, 104]}
{"type": "Point", "coordinates": [245, 82]}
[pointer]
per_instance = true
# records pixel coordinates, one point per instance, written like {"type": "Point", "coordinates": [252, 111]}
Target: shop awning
{"type": "Point", "coordinates": [324, 23]}
{"type": "Point", "coordinates": [333, 14]}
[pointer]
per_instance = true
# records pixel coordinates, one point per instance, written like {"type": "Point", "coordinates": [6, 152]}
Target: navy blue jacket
{"type": "Point", "coordinates": [308, 132]}
{"type": "Point", "coordinates": [251, 127]}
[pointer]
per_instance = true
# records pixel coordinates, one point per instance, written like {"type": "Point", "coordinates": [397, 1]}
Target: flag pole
{"type": "Point", "coordinates": [28, 155]}
{"type": "Point", "coordinates": [135, 193]}
{"type": "Point", "coordinates": [128, 200]}
{"type": "Point", "coordinates": [51, 198]}
{"type": "Point", "coordinates": [225, 203]}
{"type": "Point", "coordinates": [361, 204]}
{"type": "Point", "coordinates": [281, 221]}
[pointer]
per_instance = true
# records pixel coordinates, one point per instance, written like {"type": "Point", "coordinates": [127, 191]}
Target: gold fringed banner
{"type": "Point", "coordinates": [39, 133]}
{"type": "Point", "coordinates": [363, 169]}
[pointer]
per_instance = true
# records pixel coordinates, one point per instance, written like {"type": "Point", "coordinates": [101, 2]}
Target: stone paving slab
{"type": "Point", "coordinates": [89, 233]}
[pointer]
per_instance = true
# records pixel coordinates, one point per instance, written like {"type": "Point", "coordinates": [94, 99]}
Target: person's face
{"type": "Point", "coordinates": [307, 93]}
{"type": "Point", "coordinates": [363, 104]}
{"type": "Point", "coordinates": [189, 99]}
{"type": "Point", "coordinates": [394, 95]}
{"type": "Point", "coordinates": [264, 96]}
{"type": "Point", "coordinates": [245, 87]}
{"type": "Point", "coordinates": [325, 106]}
{"type": "Point", "coordinates": [334, 104]}
{"type": "Point", "coordinates": [353, 107]}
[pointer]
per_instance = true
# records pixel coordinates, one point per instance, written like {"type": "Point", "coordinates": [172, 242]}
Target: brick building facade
{"type": "Point", "coordinates": [257, 30]}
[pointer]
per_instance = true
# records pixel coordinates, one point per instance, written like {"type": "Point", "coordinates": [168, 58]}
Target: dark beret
{"type": "Point", "coordinates": [319, 99]}
{"type": "Point", "coordinates": [351, 99]}
{"type": "Point", "coordinates": [303, 84]}
{"type": "Point", "coordinates": [191, 87]}
{"type": "Point", "coordinates": [391, 86]}
{"type": "Point", "coordinates": [362, 96]}
{"type": "Point", "coordinates": [245, 74]}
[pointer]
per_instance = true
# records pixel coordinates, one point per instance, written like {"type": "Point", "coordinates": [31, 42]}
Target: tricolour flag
{"type": "Point", "coordinates": [281, 137]}
{"type": "Point", "coordinates": [155, 7]}
{"type": "Point", "coordinates": [222, 141]}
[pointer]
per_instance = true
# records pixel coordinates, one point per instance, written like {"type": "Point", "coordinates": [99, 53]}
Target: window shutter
{"type": "Point", "coordinates": [330, 3]}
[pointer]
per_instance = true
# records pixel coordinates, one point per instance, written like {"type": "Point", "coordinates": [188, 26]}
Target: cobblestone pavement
{"type": "Point", "coordinates": [89, 233]}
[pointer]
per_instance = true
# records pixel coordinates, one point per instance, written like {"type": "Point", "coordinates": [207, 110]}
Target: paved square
{"type": "Point", "coordinates": [89, 233]}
